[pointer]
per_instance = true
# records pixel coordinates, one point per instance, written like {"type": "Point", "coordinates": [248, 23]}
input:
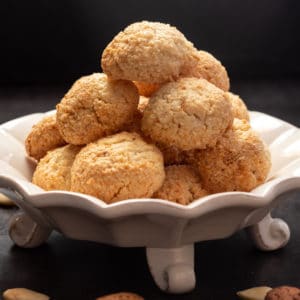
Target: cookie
{"type": "Point", "coordinates": [188, 114]}
{"type": "Point", "coordinates": [283, 293]}
{"type": "Point", "coordinates": [239, 107]}
{"type": "Point", "coordinates": [23, 294]}
{"type": "Point", "coordinates": [240, 161]}
{"type": "Point", "coordinates": [118, 167]}
{"type": "Point", "coordinates": [211, 69]}
{"type": "Point", "coordinates": [95, 107]}
{"type": "Point", "coordinates": [182, 185]}
{"type": "Point", "coordinates": [121, 296]}
{"type": "Point", "coordinates": [53, 170]}
{"type": "Point", "coordinates": [44, 136]}
{"type": "Point", "coordinates": [149, 52]}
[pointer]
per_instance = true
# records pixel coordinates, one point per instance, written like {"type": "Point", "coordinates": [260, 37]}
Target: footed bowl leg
{"type": "Point", "coordinates": [172, 268]}
{"type": "Point", "coordinates": [269, 234]}
{"type": "Point", "coordinates": [26, 233]}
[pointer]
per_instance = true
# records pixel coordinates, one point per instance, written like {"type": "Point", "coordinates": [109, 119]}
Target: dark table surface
{"type": "Point", "coordinates": [69, 269]}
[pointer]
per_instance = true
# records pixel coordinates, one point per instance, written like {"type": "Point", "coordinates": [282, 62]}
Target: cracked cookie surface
{"type": "Point", "coordinates": [182, 185]}
{"type": "Point", "coordinates": [150, 52]}
{"type": "Point", "coordinates": [53, 170]}
{"type": "Point", "coordinates": [118, 167]}
{"type": "Point", "coordinates": [239, 162]}
{"type": "Point", "coordinates": [95, 107]}
{"type": "Point", "coordinates": [239, 108]}
{"type": "Point", "coordinates": [44, 136]}
{"type": "Point", "coordinates": [190, 113]}
{"type": "Point", "coordinates": [211, 69]}
{"type": "Point", "coordinates": [206, 66]}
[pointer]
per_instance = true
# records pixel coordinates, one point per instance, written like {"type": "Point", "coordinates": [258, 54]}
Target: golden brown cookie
{"type": "Point", "coordinates": [146, 89]}
{"type": "Point", "coordinates": [283, 293]}
{"type": "Point", "coordinates": [182, 185]}
{"type": "Point", "coordinates": [149, 52]}
{"type": "Point", "coordinates": [189, 113]}
{"type": "Point", "coordinates": [211, 69]}
{"type": "Point", "coordinates": [118, 167]}
{"type": "Point", "coordinates": [121, 296]}
{"type": "Point", "coordinates": [44, 136]}
{"type": "Point", "coordinates": [206, 66]}
{"type": "Point", "coordinates": [240, 161]}
{"type": "Point", "coordinates": [23, 294]}
{"type": "Point", "coordinates": [95, 107]}
{"type": "Point", "coordinates": [239, 107]}
{"type": "Point", "coordinates": [53, 170]}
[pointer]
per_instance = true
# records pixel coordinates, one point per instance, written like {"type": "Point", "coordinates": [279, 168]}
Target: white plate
{"type": "Point", "coordinates": [167, 229]}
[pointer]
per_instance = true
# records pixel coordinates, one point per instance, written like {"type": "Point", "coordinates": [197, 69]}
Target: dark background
{"type": "Point", "coordinates": [58, 41]}
{"type": "Point", "coordinates": [46, 45]}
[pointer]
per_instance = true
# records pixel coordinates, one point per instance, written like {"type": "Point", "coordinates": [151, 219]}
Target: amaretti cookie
{"type": "Point", "coordinates": [206, 66]}
{"type": "Point", "coordinates": [53, 171]}
{"type": "Point", "coordinates": [189, 113]}
{"type": "Point", "coordinates": [95, 107]}
{"type": "Point", "coordinates": [211, 69]}
{"type": "Point", "coordinates": [182, 185]}
{"type": "Point", "coordinates": [44, 136]}
{"type": "Point", "coordinates": [118, 167]}
{"type": "Point", "coordinates": [239, 108]}
{"type": "Point", "coordinates": [121, 296]}
{"type": "Point", "coordinates": [150, 52]}
{"type": "Point", "coordinates": [240, 161]}
{"type": "Point", "coordinates": [283, 293]}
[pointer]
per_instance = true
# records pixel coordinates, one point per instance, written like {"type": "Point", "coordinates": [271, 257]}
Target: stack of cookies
{"type": "Point", "coordinates": [159, 122]}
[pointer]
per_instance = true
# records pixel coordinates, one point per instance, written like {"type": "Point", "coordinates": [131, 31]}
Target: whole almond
{"type": "Point", "coordinates": [5, 201]}
{"type": "Point", "coordinates": [23, 294]}
{"type": "Point", "coordinates": [255, 293]}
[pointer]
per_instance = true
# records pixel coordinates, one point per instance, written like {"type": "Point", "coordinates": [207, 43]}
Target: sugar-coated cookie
{"type": "Point", "coordinates": [239, 107]}
{"type": "Point", "coordinates": [118, 167]}
{"type": "Point", "coordinates": [53, 170]}
{"type": "Point", "coordinates": [150, 52]}
{"type": "Point", "coordinates": [240, 161]}
{"type": "Point", "coordinates": [44, 136]}
{"type": "Point", "coordinates": [182, 185]}
{"type": "Point", "coordinates": [189, 113]}
{"type": "Point", "coordinates": [206, 66]}
{"type": "Point", "coordinates": [211, 69]}
{"type": "Point", "coordinates": [95, 107]}
{"type": "Point", "coordinates": [284, 293]}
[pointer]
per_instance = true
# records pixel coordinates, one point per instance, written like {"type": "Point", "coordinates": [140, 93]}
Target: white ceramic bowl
{"type": "Point", "coordinates": [168, 230]}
